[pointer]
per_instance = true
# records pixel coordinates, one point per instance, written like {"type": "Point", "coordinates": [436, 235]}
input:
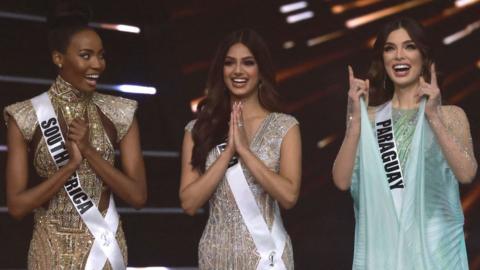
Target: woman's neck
{"type": "Point", "coordinates": [406, 97]}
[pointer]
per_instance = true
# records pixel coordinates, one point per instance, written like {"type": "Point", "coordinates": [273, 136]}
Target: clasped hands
{"type": "Point", "coordinates": [78, 143]}
{"type": "Point", "coordinates": [237, 137]}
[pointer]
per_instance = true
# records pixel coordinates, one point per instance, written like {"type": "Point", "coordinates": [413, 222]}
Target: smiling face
{"type": "Point", "coordinates": [240, 71]}
{"type": "Point", "coordinates": [83, 61]}
{"type": "Point", "coordinates": [402, 59]}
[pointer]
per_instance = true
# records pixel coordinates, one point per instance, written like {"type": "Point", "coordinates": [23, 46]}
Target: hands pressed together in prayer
{"type": "Point", "coordinates": [237, 137]}
{"type": "Point", "coordinates": [77, 143]}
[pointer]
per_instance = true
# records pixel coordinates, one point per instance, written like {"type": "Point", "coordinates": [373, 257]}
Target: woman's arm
{"type": "Point", "coordinates": [345, 161]}
{"type": "Point", "coordinates": [452, 131]}
{"type": "Point", "coordinates": [130, 185]}
{"type": "Point", "coordinates": [451, 128]}
{"type": "Point", "coordinates": [284, 186]}
{"type": "Point", "coordinates": [20, 199]}
{"type": "Point", "coordinates": [196, 188]}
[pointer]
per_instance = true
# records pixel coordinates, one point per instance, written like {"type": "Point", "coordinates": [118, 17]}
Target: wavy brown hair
{"type": "Point", "coordinates": [211, 127]}
{"type": "Point", "coordinates": [381, 85]}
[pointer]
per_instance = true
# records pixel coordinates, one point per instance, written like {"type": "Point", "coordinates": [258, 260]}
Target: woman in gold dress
{"type": "Point", "coordinates": [93, 125]}
{"type": "Point", "coordinates": [241, 109]}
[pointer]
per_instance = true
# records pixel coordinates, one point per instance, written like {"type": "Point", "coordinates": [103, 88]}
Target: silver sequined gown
{"type": "Point", "coordinates": [226, 243]}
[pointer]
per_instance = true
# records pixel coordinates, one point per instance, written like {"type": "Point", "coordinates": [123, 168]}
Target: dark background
{"type": "Point", "coordinates": [172, 53]}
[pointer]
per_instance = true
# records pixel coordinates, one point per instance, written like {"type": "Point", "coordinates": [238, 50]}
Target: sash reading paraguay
{"type": "Point", "coordinates": [428, 232]}
{"type": "Point", "coordinates": [389, 154]}
{"type": "Point", "coordinates": [103, 230]}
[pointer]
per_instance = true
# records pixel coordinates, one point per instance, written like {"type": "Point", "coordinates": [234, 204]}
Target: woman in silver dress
{"type": "Point", "coordinates": [240, 137]}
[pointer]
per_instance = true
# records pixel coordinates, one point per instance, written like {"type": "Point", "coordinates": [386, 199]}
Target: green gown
{"type": "Point", "coordinates": [428, 234]}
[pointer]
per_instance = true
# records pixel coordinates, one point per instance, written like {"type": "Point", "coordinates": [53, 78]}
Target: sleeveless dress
{"type": "Point", "coordinates": [60, 238]}
{"type": "Point", "coordinates": [428, 234]}
{"type": "Point", "coordinates": [226, 242]}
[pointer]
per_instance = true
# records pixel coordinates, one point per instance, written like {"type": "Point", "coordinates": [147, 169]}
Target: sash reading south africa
{"type": "Point", "coordinates": [105, 247]}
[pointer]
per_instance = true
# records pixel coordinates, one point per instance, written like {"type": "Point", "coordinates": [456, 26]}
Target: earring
{"type": "Point", "coordinates": [260, 85]}
{"type": "Point", "coordinates": [59, 66]}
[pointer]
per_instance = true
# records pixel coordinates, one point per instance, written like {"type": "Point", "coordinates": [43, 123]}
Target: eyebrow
{"type": "Point", "coordinates": [243, 58]}
{"type": "Point", "coordinates": [91, 50]}
{"type": "Point", "coordinates": [405, 42]}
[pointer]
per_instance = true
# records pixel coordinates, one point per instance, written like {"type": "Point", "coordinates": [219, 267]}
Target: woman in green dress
{"type": "Point", "coordinates": [403, 159]}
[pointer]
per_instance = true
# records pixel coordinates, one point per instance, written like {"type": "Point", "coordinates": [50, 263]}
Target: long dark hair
{"type": "Point", "coordinates": [211, 127]}
{"type": "Point", "coordinates": [65, 19]}
{"type": "Point", "coordinates": [380, 84]}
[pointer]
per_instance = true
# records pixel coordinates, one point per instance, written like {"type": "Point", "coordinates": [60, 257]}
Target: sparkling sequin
{"type": "Point", "coordinates": [60, 238]}
{"type": "Point", "coordinates": [226, 242]}
{"type": "Point", "coordinates": [451, 117]}
{"type": "Point", "coordinates": [404, 127]}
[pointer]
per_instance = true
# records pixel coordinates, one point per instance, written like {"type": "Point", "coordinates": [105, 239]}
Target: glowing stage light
{"type": "Point", "coordinates": [23, 17]}
{"type": "Point", "coordinates": [462, 33]}
{"type": "Point", "coordinates": [300, 17]}
{"type": "Point", "coordinates": [288, 44]}
{"type": "Point", "coordinates": [340, 8]}
{"type": "Point", "coordinates": [324, 38]}
{"type": "Point", "coordinates": [359, 21]}
{"type": "Point", "coordinates": [326, 141]}
{"type": "Point", "coordinates": [118, 27]}
{"type": "Point", "coordinates": [194, 103]}
{"type": "Point", "coordinates": [287, 8]}
{"type": "Point", "coordinates": [136, 89]}
{"type": "Point", "coordinates": [464, 3]}
{"type": "Point", "coordinates": [35, 18]}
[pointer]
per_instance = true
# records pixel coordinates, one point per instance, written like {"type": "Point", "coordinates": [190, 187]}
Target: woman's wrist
{"type": "Point", "coordinates": [243, 152]}
{"type": "Point", "coordinates": [88, 151]}
{"type": "Point", "coordinates": [433, 116]}
{"type": "Point", "coordinates": [71, 166]}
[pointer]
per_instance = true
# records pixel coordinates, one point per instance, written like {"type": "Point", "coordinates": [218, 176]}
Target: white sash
{"type": "Point", "coordinates": [389, 154]}
{"type": "Point", "coordinates": [270, 245]}
{"type": "Point", "coordinates": [103, 230]}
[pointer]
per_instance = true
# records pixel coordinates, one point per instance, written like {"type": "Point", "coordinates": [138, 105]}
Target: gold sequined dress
{"type": "Point", "coordinates": [226, 243]}
{"type": "Point", "coordinates": [60, 238]}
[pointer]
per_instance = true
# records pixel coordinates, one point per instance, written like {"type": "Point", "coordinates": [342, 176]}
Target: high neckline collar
{"type": "Point", "coordinates": [66, 92]}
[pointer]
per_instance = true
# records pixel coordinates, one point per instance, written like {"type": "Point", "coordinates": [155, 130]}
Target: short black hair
{"type": "Point", "coordinates": [65, 19]}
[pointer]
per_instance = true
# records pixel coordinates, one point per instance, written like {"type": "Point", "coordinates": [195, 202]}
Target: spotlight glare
{"type": "Point", "coordinates": [136, 89]}
{"type": "Point", "coordinates": [118, 27]}
{"type": "Point", "coordinates": [462, 33]}
{"type": "Point", "coordinates": [194, 103]}
{"type": "Point", "coordinates": [300, 17]}
{"type": "Point", "coordinates": [326, 141]}
{"type": "Point", "coordinates": [288, 44]}
{"type": "Point", "coordinates": [367, 18]}
{"type": "Point", "coordinates": [128, 28]}
{"type": "Point", "coordinates": [464, 3]}
{"type": "Point", "coordinates": [293, 6]}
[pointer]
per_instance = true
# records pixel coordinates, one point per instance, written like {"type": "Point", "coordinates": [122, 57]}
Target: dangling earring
{"type": "Point", "coordinates": [60, 66]}
{"type": "Point", "coordinates": [260, 86]}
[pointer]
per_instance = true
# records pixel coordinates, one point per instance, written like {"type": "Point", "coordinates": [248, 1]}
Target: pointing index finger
{"type": "Point", "coordinates": [433, 75]}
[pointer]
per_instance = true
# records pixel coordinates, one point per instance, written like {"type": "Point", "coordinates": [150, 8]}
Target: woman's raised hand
{"type": "Point", "coordinates": [357, 88]}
